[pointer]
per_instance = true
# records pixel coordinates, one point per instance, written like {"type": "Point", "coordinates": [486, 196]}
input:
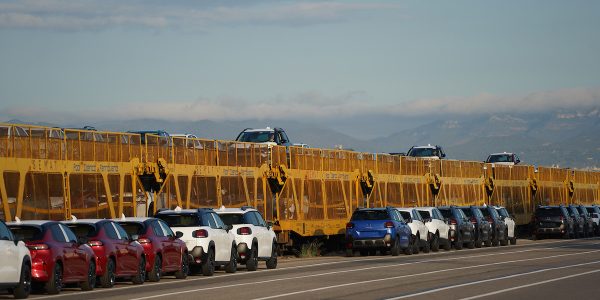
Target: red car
{"type": "Point", "coordinates": [166, 253]}
{"type": "Point", "coordinates": [117, 254]}
{"type": "Point", "coordinates": [57, 257]}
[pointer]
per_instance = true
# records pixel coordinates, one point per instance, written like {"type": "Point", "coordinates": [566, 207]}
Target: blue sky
{"type": "Point", "coordinates": [235, 60]}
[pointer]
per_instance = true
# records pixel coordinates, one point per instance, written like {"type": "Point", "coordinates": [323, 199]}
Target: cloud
{"type": "Point", "coordinates": [191, 15]}
{"type": "Point", "coordinates": [311, 106]}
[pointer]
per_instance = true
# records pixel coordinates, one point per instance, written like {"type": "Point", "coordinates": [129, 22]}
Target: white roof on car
{"type": "Point", "coordinates": [405, 209]}
{"type": "Point", "coordinates": [29, 222]}
{"type": "Point", "coordinates": [133, 219]}
{"type": "Point", "coordinates": [259, 129]}
{"type": "Point", "coordinates": [428, 146]}
{"type": "Point", "coordinates": [83, 221]}
{"type": "Point", "coordinates": [233, 210]}
{"type": "Point", "coordinates": [503, 153]}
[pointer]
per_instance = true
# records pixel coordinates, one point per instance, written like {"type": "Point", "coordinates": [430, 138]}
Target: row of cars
{"type": "Point", "coordinates": [47, 255]}
{"type": "Point", "coordinates": [571, 221]}
{"type": "Point", "coordinates": [411, 230]}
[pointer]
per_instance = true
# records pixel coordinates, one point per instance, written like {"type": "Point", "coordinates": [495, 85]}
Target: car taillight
{"type": "Point", "coordinates": [95, 243]}
{"type": "Point", "coordinates": [244, 231]}
{"type": "Point", "coordinates": [349, 225]}
{"type": "Point", "coordinates": [200, 233]}
{"type": "Point", "coordinates": [144, 241]}
{"type": "Point", "coordinates": [473, 220]}
{"type": "Point", "coordinates": [38, 247]}
{"type": "Point", "coordinates": [490, 219]}
{"type": "Point", "coordinates": [389, 224]}
{"type": "Point", "coordinates": [452, 221]}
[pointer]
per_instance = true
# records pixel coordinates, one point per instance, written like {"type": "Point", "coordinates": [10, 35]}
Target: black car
{"type": "Point", "coordinates": [499, 229]}
{"type": "Point", "coordinates": [587, 219]}
{"type": "Point", "coordinates": [482, 226]}
{"type": "Point", "coordinates": [578, 221]}
{"type": "Point", "coordinates": [552, 220]}
{"type": "Point", "coordinates": [461, 230]}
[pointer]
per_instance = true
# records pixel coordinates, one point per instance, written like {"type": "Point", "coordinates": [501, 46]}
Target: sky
{"type": "Point", "coordinates": [303, 60]}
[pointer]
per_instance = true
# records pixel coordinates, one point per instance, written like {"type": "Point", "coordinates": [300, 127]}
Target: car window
{"type": "Point", "coordinates": [182, 220]}
{"type": "Point", "coordinates": [83, 230]}
{"type": "Point", "coordinates": [133, 227]}
{"type": "Point", "coordinates": [477, 212]}
{"type": "Point", "coordinates": [57, 234]}
{"type": "Point", "coordinates": [425, 214]}
{"type": "Point", "coordinates": [494, 213]}
{"type": "Point", "coordinates": [503, 212]}
{"type": "Point", "coordinates": [437, 214]}
{"type": "Point", "coordinates": [168, 232]}
{"type": "Point", "coordinates": [69, 233]}
{"type": "Point", "coordinates": [5, 233]}
{"type": "Point", "coordinates": [110, 231]}
{"type": "Point", "coordinates": [416, 215]}
{"type": "Point", "coordinates": [27, 233]}
{"type": "Point", "coordinates": [405, 215]}
{"type": "Point", "coordinates": [250, 218]}
{"type": "Point", "coordinates": [211, 221]}
{"type": "Point", "coordinates": [157, 229]}
{"type": "Point", "coordinates": [467, 212]}
{"type": "Point", "coordinates": [235, 219]}
{"type": "Point", "coordinates": [259, 219]}
{"type": "Point", "coordinates": [462, 214]}
{"type": "Point", "coordinates": [122, 233]}
{"type": "Point", "coordinates": [365, 215]}
{"type": "Point", "coordinates": [218, 220]}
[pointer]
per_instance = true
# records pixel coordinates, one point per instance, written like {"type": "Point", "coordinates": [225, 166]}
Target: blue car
{"type": "Point", "coordinates": [372, 229]}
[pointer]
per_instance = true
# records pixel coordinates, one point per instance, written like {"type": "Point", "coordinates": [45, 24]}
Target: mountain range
{"type": "Point", "coordinates": [559, 138]}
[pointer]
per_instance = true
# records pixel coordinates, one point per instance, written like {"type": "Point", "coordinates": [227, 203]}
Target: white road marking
{"type": "Point", "coordinates": [529, 285]}
{"type": "Point", "coordinates": [361, 269]}
{"type": "Point", "coordinates": [493, 279]}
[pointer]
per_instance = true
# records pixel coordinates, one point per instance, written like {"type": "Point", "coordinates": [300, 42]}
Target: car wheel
{"type": "Point", "coordinates": [478, 241]}
{"type": "Point", "coordinates": [458, 242]}
{"type": "Point", "coordinates": [513, 241]}
{"type": "Point", "coordinates": [488, 242]}
{"type": "Point", "coordinates": [426, 247]}
{"type": "Point", "coordinates": [395, 250]}
{"type": "Point", "coordinates": [504, 242]}
{"type": "Point", "coordinates": [140, 277]}
{"type": "Point", "coordinates": [231, 266]}
{"type": "Point", "coordinates": [435, 243]}
{"type": "Point", "coordinates": [415, 244]}
{"type": "Point", "coordinates": [183, 271]}
{"type": "Point", "coordinates": [471, 244]}
{"type": "Point", "coordinates": [90, 281]}
{"type": "Point", "coordinates": [208, 265]}
{"type": "Point", "coordinates": [107, 280]}
{"type": "Point", "coordinates": [23, 290]}
{"type": "Point", "coordinates": [495, 241]}
{"type": "Point", "coordinates": [55, 282]}
{"type": "Point", "coordinates": [272, 261]}
{"type": "Point", "coordinates": [156, 271]}
{"type": "Point", "coordinates": [447, 244]}
{"type": "Point", "coordinates": [252, 262]}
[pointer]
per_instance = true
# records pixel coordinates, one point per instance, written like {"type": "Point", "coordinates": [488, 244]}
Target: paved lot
{"type": "Point", "coordinates": [546, 269]}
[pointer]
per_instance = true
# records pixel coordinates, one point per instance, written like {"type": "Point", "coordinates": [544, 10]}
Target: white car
{"type": "Point", "coordinates": [426, 152]}
{"type": "Point", "coordinates": [255, 239]}
{"type": "Point", "coordinates": [504, 158]}
{"type": "Point", "coordinates": [15, 264]}
{"type": "Point", "coordinates": [510, 224]}
{"type": "Point", "coordinates": [594, 212]}
{"type": "Point", "coordinates": [438, 228]}
{"type": "Point", "coordinates": [420, 233]}
{"type": "Point", "coordinates": [208, 239]}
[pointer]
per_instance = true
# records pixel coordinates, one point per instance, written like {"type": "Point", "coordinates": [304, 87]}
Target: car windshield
{"type": "Point", "coordinates": [421, 152]}
{"type": "Point", "coordinates": [27, 233]}
{"type": "Point", "coordinates": [548, 212]}
{"type": "Point", "coordinates": [132, 228]}
{"type": "Point", "coordinates": [233, 219]}
{"type": "Point", "coordinates": [499, 158]}
{"type": "Point", "coordinates": [83, 230]}
{"type": "Point", "coordinates": [180, 220]}
{"type": "Point", "coordinates": [425, 214]}
{"type": "Point", "coordinates": [257, 136]}
{"type": "Point", "coordinates": [365, 215]}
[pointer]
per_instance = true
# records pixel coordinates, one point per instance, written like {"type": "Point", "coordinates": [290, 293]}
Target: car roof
{"type": "Point", "coordinates": [85, 221]}
{"type": "Point", "coordinates": [426, 207]}
{"type": "Point", "coordinates": [31, 222]}
{"type": "Point", "coordinates": [259, 129]}
{"type": "Point", "coordinates": [427, 146]}
{"type": "Point", "coordinates": [133, 219]}
{"type": "Point", "coordinates": [233, 210]}
{"type": "Point", "coordinates": [503, 153]}
{"type": "Point", "coordinates": [405, 209]}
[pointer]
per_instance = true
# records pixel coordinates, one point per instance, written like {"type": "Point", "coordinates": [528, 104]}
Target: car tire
{"type": "Point", "coordinates": [495, 242]}
{"type": "Point", "coordinates": [23, 290]}
{"type": "Point", "coordinates": [415, 244]}
{"type": "Point", "coordinates": [107, 280]}
{"type": "Point", "coordinates": [488, 242]}
{"type": "Point", "coordinates": [90, 281]}
{"type": "Point", "coordinates": [395, 250]}
{"type": "Point", "coordinates": [435, 243]}
{"type": "Point", "coordinates": [458, 242]}
{"type": "Point", "coordinates": [513, 240]}
{"type": "Point", "coordinates": [156, 271]}
{"type": "Point", "coordinates": [447, 244]}
{"type": "Point", "coordinates": [272, 261]}
{"type": "Point", "coordinates": [471, 244]}
{"type": "Point", "coordinates": [140, 277]}
{"type": "Point", "coordinates": [478, 242]}
{"type": "Point", "coordinates": [184, 269]}
{"type": "Point", "coordinates": [504, 242]}
{"type": "Point", "coordinates": [231, 266]}
{"type": "Point", "coordinates": [208, 265]}
{"type": "Point", "coordinates": [55, 280]}
{"type": "Point", "coordinates": [426, 247]}
{"type": "Point", "coordinates": [252, 261]}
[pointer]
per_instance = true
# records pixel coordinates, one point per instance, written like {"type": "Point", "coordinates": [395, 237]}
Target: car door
{"type": "Point", "coordinates": [66, 252]}
{"type": "Point", "coordinates": [263, 236]}
{"type": "Point", "coordinates": [119, 247]}
{"type": "Point", "coordinates": [222, 249]}
{"type": "Point", "coordinates": [131, 248]}
{"type": "Point", "coordinates": [438, 220]}
{"type": "Point", "coordinates": [9, 260]}
{"type": "Point", "coordinates": [171, 250]}
{"type": "Point", "coordinates": [80, 257]}
{"type": "Point", "coordinates": [416, 217]}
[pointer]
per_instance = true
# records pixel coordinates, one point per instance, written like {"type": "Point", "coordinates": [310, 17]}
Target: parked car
{"type": "Point", "coordinates": [482, 226]}
{"type": "Point", "coordinates": [553, 219]}
{"type": "Point", "coordinates": [461, 230]}
{"type": "Point", "coordinates": [420, 232]}
{"type": "Point", "coordinates": [509, 159]}
{"type": "Point", "coordinates": [594, 212]}
{"type": "Point", "coordinates": [587, 219]}
{"type": "Point", "coordinates": [578, 221]}
{"type": "Point", "coordinates": [510, 224]}
{"type": "Point", "coordinates": [372, 229]}
{"type": "Point", "coordinates": [164, 250]}
{"type": "Point", "coordinates": [57, 257]}
{"type": "Point", "coordinates": [270, 136]}
{"type": "Point", "coordinates": [499, 232]}
{"type": "Point", "coordinates": [117, 254]}
{"type": "Point", "coordinates": [15, 263]}
{"type": "Point", "coordinates": [208, 239]}
{"type": "Point", "coordinates": [429, 151]}
{"type": "Point", "coordinates": [164, 139]}
{"type": "Point", "coordinates": [439, 230]}
{"type": "Point", "coordinates": [255, 239]}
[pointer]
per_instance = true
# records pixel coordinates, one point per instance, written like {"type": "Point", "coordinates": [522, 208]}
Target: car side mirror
{"type": "Point", "coordinates": [269, 225]}
{"type": "Point", "coordinates": [228, 227]}
{"type": "Point", "coordinates": [178, 234]}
